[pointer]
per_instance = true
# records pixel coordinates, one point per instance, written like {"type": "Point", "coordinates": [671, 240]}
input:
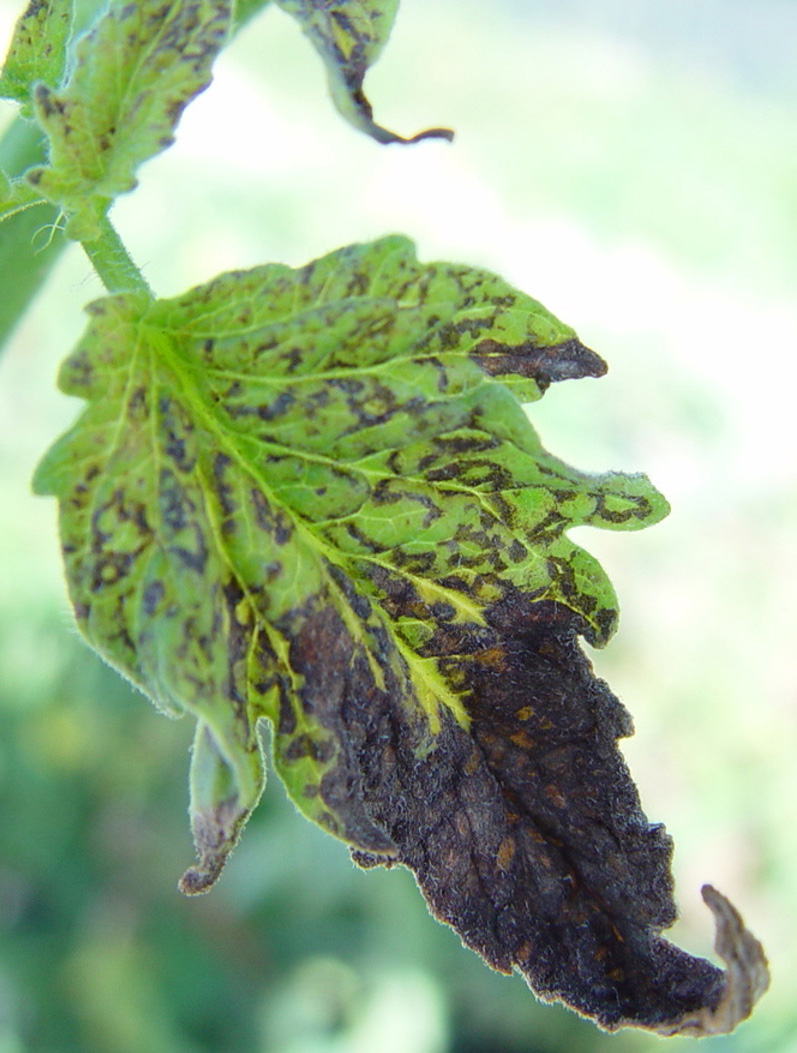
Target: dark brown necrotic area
{"type": "Point", "coordinates": [525, 833]}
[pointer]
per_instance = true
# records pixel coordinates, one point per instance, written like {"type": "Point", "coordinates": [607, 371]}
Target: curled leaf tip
{"type": "Point", "coordinates": [215, 833]}
{"type": "Point", "coordinates": [214, 840]}
{"type": "Point", "coordinates": [746, 976]}
{"type": "Point", "coordinates": [195, 881]}
{"type": "Point", "coordinates": [349, 36]}
{"type": "Point", "coordinates": [383, 135]}
{"type": "Point", "coordinates": [227, 778]}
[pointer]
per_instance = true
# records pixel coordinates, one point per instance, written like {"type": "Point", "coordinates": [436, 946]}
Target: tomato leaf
{"type": "Point", "coordinates": [38, 50]}
{"type": "Point", "coordinates": [134, 74]}
{"type": "Point", "coordinates": [313, 496]}
{"type": "Point", "coordinates": [349, 36]}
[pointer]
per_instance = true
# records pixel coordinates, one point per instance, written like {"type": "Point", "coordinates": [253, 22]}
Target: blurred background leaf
{"type": "Point", "coordinates": [633, 166]}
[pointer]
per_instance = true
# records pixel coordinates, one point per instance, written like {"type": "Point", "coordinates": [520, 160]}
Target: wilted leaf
{"type": "Point", "coordinates": [134, 75]}
{"type": "Point", "coordinates": [349, 36]}
{"type": "Point", "coordinates": [38, 50]}
{"type": "Point", "coordinates": [312, 495]}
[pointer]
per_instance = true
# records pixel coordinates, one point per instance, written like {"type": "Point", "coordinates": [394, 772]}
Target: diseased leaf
{"type": "Point", "coordinates": [312, 495]}
{"type": "Point", "coordinates": [349, 36]}
{"type": "Point", "coordinates": [38, 50]}
{"type": "Point", "coordinates": [134, 75]}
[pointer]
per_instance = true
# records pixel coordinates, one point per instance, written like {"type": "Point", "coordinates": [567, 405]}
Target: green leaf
{"type": "Point", "coordinates": [134, 75]}
{"type": "Point", "coordinates": [349, 36]}
{"type": "Point", "coordinates": [16, 195]}
{"type": "Point", "coordinates": [38, 50]}
{"type": "Point", "coordinates": [312, 495]}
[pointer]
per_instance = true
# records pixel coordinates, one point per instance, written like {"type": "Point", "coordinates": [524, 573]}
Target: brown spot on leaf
{"type": "Point", "coordinates": [567, 361]}
{"type": "Point", "coordinates": [506, 853]}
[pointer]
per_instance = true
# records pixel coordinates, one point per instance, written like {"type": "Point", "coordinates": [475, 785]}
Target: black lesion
{"type": "Point", "coordinates": [548, 529]}
{"type": "Point", "coordinates": [359, 603]}
{"type": "Point", "coordinates": [561, 572]}
{"type": "Point", "coordinates": [638, 507]}
{"type": "Point", "coordinates": [284, 403]}
{"type": "Point", "coordinates": [389, 492]}
{"type": "Point", "coordinates": [176, 434]}
{"type": "Point", "coordinates": [417, 563]}
{"type": "Point", "coordinates": [105, 520]}
{"type": "Point", "coordinates": [525, 834]}
{"type": "Point", "coordinates": [330, 666]}
{"type": "Point", "coordinates": [517, 552]}
{"type": "Point", "coordinates": [300, 746]}
{"type": "Point", "coordinates": [225, 493]}
{"type": "Point", "coordinates": [138, 406]}
{"type": "Point", "coordinates": [286, 721]}
{"type": "Point", "coordinates": [271, 518]}
{"type": "Point", "coordinates": [82, 372]}
{"type": "Point", "coordinates": [152, 596]}
{"type": "Point", "coordinates": [111, 568]}
{"type": "Point", "coordinates": [369, 404]}
{"type": "Point", "coordinates": [569, 360]}
{"type": "Point", "coordinates": [361, 539]}
{"type": "Point", "coordinates": [196, 558]}
{"type": "Point", "coordinates": [237, 643]}
{"type": "Point", "coordinates": [450, 334]}
{"type": "Point", "coordinates": [175, 503]}
{"type": "Point", "coordinates": [477, 473]}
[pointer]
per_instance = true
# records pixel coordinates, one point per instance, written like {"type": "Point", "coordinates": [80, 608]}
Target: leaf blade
{"type": "Point", "coordinates": [307, 495]}
{"type": "Point", "coordinates": [349, 36]}
{"type": "Point", "coordinates": [38, 50]}
{"type": "Point", "coordinates": [134, 74]}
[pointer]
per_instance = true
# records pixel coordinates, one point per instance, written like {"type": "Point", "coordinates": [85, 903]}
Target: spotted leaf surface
{"type": "Point", "coordinates": [313, 496]}
{"type": "Point", "coordinates": [349, 36]}
{"type": "Point", "coordinates": [134, 75]}
{"type": "Point", "coordinates": [38, 50]}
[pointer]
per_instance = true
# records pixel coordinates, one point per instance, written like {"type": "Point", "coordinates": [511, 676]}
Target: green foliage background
{"type": "Point", "coordinates": [641, 184]}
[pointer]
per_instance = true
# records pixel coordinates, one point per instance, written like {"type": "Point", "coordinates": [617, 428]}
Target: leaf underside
{"type": "Point", "coordinates": [313, 496]}
{"type": "Point", "coordinates": [349, 36]}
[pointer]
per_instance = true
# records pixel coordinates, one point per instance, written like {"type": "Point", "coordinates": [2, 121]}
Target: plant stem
{"type": "Point", "coordinates": [23, 265]}
{"type": "Point", "coordinates": [113, 262]}
{"type": "Point", "coordinates": [23, 268]}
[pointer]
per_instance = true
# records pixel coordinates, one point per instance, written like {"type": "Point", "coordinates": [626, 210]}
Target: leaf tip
{"type": "Point", "coordinates": [428, 133]}
{"type": "Point", "coordinates": [746, 974]}
{"type": "Point", "coordinates": [544, 364]}
{"type": "Point", "coordinates": [195, 881]}
{"type": "Point", "coordinates": [215, 835]}
{"type": "Point", "coordinates": [225, 786]}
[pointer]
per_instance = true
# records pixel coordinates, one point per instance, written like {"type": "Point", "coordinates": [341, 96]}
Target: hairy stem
{"type": "Point", "coordinates": [113, 262]}
{"type": "Point", "coordinates": [30, 244]}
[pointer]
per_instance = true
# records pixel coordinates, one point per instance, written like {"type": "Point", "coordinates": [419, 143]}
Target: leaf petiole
{"type": "Point", "coordinates": [113, 263]}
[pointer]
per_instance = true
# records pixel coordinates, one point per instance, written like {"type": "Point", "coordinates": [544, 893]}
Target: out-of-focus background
{"type": "Point", "coordinates": [632, 164]}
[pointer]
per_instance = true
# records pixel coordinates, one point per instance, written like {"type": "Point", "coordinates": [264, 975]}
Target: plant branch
{"type": "Point", "coordinates": [25, 266]}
